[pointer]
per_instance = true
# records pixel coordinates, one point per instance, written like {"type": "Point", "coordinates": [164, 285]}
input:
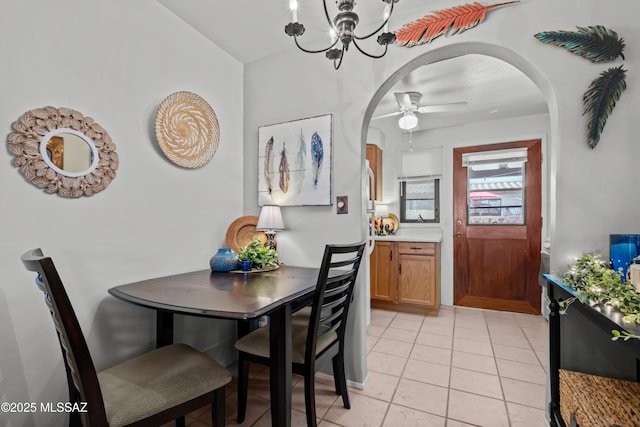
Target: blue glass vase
{"type": "Point", "coordinates": [224, 260]}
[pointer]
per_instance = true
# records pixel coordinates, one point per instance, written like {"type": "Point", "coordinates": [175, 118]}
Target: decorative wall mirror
{"type": "Point", "coordinates": [62, 151]}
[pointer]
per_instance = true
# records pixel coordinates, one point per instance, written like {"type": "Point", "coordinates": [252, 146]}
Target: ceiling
{"type": "Point", "coordinates": [491, 88]}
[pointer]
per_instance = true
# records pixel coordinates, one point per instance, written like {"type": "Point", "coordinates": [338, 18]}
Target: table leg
{"type": "Point", "coordinates": [164, 328]}
{"type": "Point", "coordinates": [245, 326]}
{"type": "Point", "coordinates": [280, 369]}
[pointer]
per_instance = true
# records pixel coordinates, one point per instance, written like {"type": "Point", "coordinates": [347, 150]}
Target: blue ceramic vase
{"type": "Point", "coordinates": [224, 260]}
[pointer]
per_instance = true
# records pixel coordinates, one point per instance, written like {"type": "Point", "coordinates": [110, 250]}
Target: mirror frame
{"type": "Point", "coordinates": [33, 129]}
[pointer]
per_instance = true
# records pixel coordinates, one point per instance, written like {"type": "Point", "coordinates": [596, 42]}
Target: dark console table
{"type": "Point", "coordinates": [580, 340]}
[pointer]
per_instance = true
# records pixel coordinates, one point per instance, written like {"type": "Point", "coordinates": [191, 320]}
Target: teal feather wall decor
{"type": "Point", "coordinates": [597, 43]}
{"type": "Point", "coordinates": [600, 100]}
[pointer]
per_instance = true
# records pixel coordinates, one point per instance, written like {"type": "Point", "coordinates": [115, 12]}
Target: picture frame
{"type": "Point", "coordinates": [295, 162]}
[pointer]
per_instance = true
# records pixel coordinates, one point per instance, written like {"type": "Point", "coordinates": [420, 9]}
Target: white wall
{"type": "Point", "coordinates": [113, 60]}
{"type": "Point", "coordinates": [588, 189]}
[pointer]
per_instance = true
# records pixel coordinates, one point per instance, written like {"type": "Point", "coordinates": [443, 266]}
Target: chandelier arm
{"type": "Point", "coordinates": [368, 54]}
{"type": "Point", "coordinates": [295, 38]}
{"type": "Point", "coordinates": [378, 29]}
{"type": "Point", "coordinates": [338, 62]}
{"type": "Point", "coordinates": [326, 14]}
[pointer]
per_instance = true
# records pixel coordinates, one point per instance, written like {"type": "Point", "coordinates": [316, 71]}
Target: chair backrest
{"type": "Point", "coordinates": [333, 294]}
{"type": "Point", "coordinates": [81, 374]}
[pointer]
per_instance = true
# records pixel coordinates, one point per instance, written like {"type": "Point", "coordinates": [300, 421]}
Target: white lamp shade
{"type": "Point", "coordinates": [408, 121]}
{"type": "Point", "coordinates": [270, 218]}
{"type": "Point", "coordinates": [382, 210]}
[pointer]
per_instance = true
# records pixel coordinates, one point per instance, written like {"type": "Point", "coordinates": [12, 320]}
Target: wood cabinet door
{"type": "Point", "coordinates": [382, 283]}
{"type": "Point", "coordinates": [417, 280]}
{"type": "Point", "coordinates": [374, 155]}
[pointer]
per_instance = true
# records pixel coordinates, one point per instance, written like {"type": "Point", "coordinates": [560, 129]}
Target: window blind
{"type": "Point", "coordinates": [419, 164]}
{"type": "Point", "coordinates": [495, 156]}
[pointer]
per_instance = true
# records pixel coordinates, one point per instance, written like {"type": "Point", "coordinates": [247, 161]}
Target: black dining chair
{"type": "Point", "coordinates": [317, 331]}
{"type": "Point", "coordinates": [148, 390]}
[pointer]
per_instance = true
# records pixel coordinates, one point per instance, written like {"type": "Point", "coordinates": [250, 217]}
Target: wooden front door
{"type": "Point", "coordinates": [497, 227]}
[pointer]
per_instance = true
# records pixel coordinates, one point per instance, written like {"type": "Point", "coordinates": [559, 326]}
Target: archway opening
{"type": "Point", "coordinates": [539, 121]}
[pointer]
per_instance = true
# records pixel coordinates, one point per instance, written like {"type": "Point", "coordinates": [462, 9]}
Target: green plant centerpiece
{"type": "Point", "coordinates": [596, 283]}
{"type": "Point", "coordinates": [260, 256]}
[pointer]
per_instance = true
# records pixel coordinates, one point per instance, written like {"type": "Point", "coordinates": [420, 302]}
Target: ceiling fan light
{"type": "Point", "coordinates": [408, 121]}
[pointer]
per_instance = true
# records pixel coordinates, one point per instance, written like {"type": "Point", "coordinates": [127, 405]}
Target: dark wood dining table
{"type": "Point", "coordinates": [244, 297]}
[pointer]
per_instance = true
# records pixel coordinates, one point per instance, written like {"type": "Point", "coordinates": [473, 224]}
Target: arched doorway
{"type": "Point", "coordinates": [546, 132]}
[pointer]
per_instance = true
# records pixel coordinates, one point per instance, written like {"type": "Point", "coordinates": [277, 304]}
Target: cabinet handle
{"type": "Point", "coordinates": [390, 255]}
{"type": "Point", "coordinates": [415, 248]}
{"type": "Point", "coordinates": [400, 268]}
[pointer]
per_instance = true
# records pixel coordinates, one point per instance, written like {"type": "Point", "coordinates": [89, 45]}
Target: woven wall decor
{"type": "Point", "coordinates": [187, 129]}
{"type": "Point", "coordinates": [32, 128]}
{"type": "Point", "coordinates": [242, 230]}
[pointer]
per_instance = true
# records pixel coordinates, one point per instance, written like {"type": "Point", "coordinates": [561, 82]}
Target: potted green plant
{"type": "Point", "coordinates": [261, 257]}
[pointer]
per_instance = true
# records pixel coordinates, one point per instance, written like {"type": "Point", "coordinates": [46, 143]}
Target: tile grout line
{"type": "Point", "coordinates": [396, 387]}
{"type": "Point", "coordinates": [395, 390]}
{"type": "Point", "coordinates": [453, 334]}
{"type": "Point", "coordinates": [495, 361]}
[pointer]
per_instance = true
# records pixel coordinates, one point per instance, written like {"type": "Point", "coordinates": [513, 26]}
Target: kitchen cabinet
{"type": "Point", "coordinates": [381, 272]}
{"type": "Point", "coordinates": [405, 277]}
{"type": "Point", "coordinates": [374, 156]}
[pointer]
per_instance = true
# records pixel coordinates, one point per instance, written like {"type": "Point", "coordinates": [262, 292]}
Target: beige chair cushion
{"type": "Point", "coordinates": [158, 380]}
{"type": "Point", "coordinates": [257, 342]}
{"type": "Point", "coordinates": [302, 317]}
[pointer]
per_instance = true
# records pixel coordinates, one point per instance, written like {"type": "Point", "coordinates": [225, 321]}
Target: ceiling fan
{"type": "Point", "coordinates": [409, 104]}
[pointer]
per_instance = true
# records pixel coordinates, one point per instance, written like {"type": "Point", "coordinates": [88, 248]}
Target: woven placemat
{"type": "Point", "coordinates": [598, 401]}
{"type": "Point", "coordinates": [241, 231]}
{"type": "Point", "coordinates": [187, 129]}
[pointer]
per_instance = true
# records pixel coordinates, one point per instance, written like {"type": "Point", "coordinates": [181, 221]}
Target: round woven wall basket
{"type": "Point", "coordinates": [187, 129]}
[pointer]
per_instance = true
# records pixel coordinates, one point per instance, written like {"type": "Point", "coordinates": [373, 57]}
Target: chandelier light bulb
{"type": "Point", "coordinates": [293, 6]}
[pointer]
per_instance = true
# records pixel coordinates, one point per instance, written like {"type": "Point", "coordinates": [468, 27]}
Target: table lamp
{"type": "Point", "coordinates": [270, 220]}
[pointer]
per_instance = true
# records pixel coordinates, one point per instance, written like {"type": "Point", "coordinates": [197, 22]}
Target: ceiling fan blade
{"type": "Point", "coordinates": [386, 115]}
{"type": "Point", "coordinates": [403, 99]}
{"type": "Point", "coordinates": [454, 106]}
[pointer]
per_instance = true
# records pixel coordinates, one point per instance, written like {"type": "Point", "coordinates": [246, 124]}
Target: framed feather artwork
{"type": "Point", "coordinates": [294, 162]}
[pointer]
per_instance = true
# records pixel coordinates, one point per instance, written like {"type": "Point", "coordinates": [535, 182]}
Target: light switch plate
{"type": "Point", "coordinates": [342, 203]}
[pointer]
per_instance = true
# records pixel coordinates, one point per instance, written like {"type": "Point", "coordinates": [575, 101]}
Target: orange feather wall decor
{"type": "Point", "coordinates": [457, 19]}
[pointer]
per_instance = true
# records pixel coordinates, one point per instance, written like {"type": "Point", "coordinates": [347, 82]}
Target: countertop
{"type": "Point", "coordinates": [409, 235]}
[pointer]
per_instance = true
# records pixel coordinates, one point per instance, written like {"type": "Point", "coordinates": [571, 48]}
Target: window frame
{"type": "Point", "coordinates": [436, 201]}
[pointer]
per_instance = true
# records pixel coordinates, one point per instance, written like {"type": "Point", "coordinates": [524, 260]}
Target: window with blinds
{"type": "Point", "coordinates": [419, 180]}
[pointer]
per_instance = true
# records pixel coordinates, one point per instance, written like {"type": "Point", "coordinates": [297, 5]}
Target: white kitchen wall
{"type": "Point", "coordinates": [113, 60]}
{"type": "Point", "coordinates": [589, 190]}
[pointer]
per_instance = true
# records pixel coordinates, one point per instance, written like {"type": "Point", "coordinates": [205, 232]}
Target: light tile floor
{"type": "Point", "coordinates": [465, 367]}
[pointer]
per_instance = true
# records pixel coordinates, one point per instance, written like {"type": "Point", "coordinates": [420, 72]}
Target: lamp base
{"type": "Point", "coordinates": [271, 240]}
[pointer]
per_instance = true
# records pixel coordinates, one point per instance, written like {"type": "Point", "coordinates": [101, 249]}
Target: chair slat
{"type": "Point", "coordinates": [342, 263]}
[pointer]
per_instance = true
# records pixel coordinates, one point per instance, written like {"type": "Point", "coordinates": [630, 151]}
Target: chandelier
{"type": "Point", "coordinates": [343, 27]}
